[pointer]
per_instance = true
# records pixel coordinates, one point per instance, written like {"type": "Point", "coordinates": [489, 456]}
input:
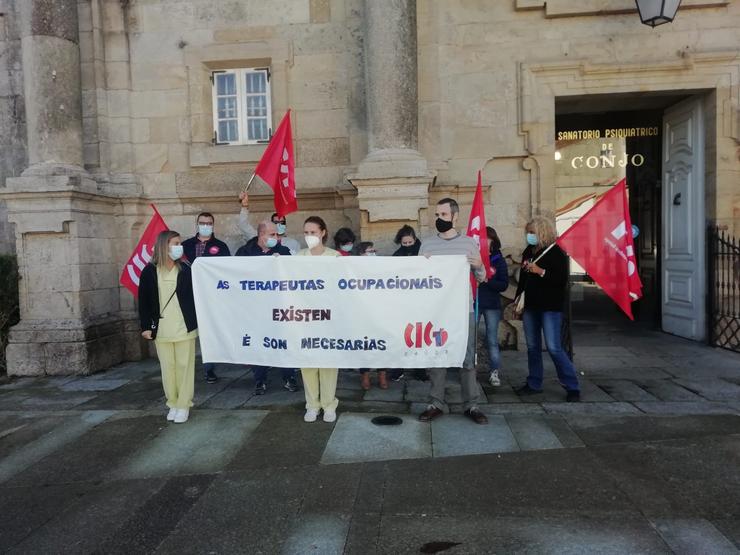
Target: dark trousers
{"type": "Point", "coordinates": [260, 373]}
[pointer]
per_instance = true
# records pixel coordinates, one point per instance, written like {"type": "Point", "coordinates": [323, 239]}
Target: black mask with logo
{"type": "Point", "coordinates": [443, 226]}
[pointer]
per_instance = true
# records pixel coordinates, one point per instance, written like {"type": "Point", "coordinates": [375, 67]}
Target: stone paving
{"type": "Point", "coordinates": [647, 463]}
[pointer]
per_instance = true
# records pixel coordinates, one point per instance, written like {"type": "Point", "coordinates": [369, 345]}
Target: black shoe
{"type": "Point", "coordinates": [476, 416]}
{"type": "Point", "coordinates": [260, 389]}
{"type": "Point", "coordinates": [573, 396]}
{"type": "Point", "coordinates": [211, 377]}
{"type": "Point", "coordinates": [291, 385]}
{"type": "Point", "coordinates": [430, 414]}
{"type": "Point", "coordinates": [526, 390]}
{"type": "Point", "coordinates": [398, 377]}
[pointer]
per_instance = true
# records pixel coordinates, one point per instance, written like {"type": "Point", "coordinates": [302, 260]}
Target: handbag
{"type": "Point", "coordinates": [154, 324]}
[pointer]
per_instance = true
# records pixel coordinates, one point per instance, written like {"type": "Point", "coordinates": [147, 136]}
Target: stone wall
{"type": "Point", "coordinates": [490, 72]}
{"type": "Point", "coordinates": [13, 158]}
{"type": "Point", "coordinates": [470, 85]}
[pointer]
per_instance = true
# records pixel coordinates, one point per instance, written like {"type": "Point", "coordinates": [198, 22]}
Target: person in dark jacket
{"type": "Point", "coordinates": [167, 316]}
{"type": "Point", "coordinates": [266, 243]}
{"type": "Point", "coordinates": [344, 241]}
{"type": "Point", "coordinates": [543, 280]}
{"type": "Point", "coordinates": [409, 244]}
{"type": "Point", "coordinates": [489, 302]}
{"type": "Point", "coordinates": [204, 243]}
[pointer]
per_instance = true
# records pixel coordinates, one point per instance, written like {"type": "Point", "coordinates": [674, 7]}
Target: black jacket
{"type": "Point", "coordinates": [490, 291]}
{"type": "Point", "coordinates": [413, 250]}
{"type": "Point", "coordinates": [251, 248]}
{"type": "Point", "coordinates": [214, 247]}
{"type": "Point", "coordinates": [149, 310]}
{"type": "Point", "coordinates": [547, 292]}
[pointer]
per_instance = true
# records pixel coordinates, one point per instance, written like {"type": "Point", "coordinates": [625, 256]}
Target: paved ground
{"type": "Point", "coordinates": [648, 463]}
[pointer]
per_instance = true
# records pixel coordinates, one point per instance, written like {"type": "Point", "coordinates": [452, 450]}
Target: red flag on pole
{"type": "Point", "coordinates": [477, 230]}
{"type": "Point", "coordinates": [277, 168]}
{"type": "Point", "coordinates": [601, 242]}
{"type": "Point", "coordinates": [142, 253]}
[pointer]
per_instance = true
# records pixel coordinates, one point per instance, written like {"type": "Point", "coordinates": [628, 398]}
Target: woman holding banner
{"type": "Point", "coordinates": [542, 281]}
{"type": "Point", "coordinates": [319, 384]}
{"type": "Point", "coordinates": [167, 316]}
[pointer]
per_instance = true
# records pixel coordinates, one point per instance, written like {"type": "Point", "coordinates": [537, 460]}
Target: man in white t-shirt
{"type": "Point", "coordinates": [449, 241]}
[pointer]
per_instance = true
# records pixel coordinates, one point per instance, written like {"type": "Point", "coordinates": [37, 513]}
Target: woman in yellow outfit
{"type": "Point", "coordinates": [319, 384]}
{"type": "Point", "coordinates": [167, 315]}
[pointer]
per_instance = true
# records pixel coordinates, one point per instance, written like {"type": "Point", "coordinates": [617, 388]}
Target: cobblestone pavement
{"type": "Point", "coordinates": [647, 463]}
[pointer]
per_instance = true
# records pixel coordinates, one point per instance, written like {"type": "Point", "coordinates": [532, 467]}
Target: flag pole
{"type": "Point", "coordinates": [475, 349]}
{"type": "Point", "coordinates": [249, 183]}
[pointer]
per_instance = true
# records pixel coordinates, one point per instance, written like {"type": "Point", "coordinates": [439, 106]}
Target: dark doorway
{"type": "Point", "coordinates": [593, 152]}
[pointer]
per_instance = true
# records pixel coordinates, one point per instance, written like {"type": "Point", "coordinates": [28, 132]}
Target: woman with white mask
{"type": "Point", "coordinates": [319, 384]}
{"type": "Point", "coordinates": [167, 316]}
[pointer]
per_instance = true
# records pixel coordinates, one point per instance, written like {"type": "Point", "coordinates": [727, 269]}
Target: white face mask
{"type": "Point", "coordinates": [205, 230]}
{"type": "Point", "coordinates": [175, 252]}
{"type": "Point", "coordinates": [369, 254]}
{"type": "Point", "coordinates": [312, 241]}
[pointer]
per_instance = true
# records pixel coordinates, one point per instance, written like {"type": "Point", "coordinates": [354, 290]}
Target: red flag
{"type": "Point", "coordinates": [142, 253]}
{"type": "Point", "coordinates": [601, 242]}
{"type": "Point", "coordinates": [277, 168]}
{"type": "Point", "coordinates": [477, 230]}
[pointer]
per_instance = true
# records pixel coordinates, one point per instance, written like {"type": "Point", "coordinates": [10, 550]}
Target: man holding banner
{"type": "Point", "coordinates": [449, 241]}
{"type": "Point", "coordinates": [267, 245]}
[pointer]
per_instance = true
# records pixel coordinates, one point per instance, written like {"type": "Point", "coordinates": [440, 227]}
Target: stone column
{"type": "Point", "coordinates": [51, 85]}
{"type": "Point", "coordinates": [393, 180]}
{"type": "Point", "coordinates": [64, 228]}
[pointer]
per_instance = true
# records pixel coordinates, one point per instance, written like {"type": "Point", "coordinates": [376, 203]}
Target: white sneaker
{"type": "Point", "coordinates": [181, 416]}
{"type": "Point", "coordinates": [330, 416]}
{"type": "Point", "coordinates": [171, 414]}
{"type": "Point", "coordinates": [311, 415]}
{"type": "Point", "coordinates": [494, 379]}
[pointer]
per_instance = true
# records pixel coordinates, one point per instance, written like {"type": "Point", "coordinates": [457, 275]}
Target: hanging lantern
{"type": "Point", "coordinates": [657, 12]}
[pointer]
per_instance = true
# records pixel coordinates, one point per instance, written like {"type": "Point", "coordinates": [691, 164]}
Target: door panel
{"type": "Point", "coordinates": [683, 266]}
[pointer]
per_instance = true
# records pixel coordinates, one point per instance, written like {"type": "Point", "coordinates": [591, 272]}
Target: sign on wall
{"type": "Point", "coordinates": [347, 312]}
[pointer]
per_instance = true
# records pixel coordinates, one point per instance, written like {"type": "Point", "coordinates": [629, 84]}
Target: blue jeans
{"type": "Point", "coordinates": [208, 367]}
{"type": "Point", "coordinates": [492, 316]}
{"type": "Point", "coordinates": [536, 321]}
{"type": "Point", "coordinates": [260, 373]}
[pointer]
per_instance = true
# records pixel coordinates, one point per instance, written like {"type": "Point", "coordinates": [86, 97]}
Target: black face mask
{"type": "Point", "coordinates": [443, 226]}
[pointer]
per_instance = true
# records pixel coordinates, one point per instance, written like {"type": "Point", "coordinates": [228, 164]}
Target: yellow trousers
{"type": "Point", "coordinates": [320, 387]}
{"type": "Point", "coordinates": [177, 360]}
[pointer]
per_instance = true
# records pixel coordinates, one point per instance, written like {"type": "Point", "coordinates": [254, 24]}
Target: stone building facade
{"type": "Point", "coordinates": [107, 106]}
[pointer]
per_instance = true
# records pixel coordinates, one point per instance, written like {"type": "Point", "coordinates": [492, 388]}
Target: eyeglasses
{"type": "Point", "coordinates": [278, 223]}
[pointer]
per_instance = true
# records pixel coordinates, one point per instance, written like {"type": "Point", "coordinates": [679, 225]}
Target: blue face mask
{"type": "Point", "coordinates": [532, 239]}
{"type": "Point", "coordinates": [271, 242]}
{"type": "Point", "coordinates": [280, 229]}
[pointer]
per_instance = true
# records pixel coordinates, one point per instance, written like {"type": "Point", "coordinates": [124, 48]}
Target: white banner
{"type": "Point", "coordinates": [326, 312]}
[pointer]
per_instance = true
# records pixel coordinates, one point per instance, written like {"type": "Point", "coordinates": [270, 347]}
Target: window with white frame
{"type": "Point", "coordinates": [242, 113]}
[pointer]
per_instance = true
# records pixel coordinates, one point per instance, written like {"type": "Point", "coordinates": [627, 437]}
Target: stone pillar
{"type": "Point", "coordinates": [64, 228]}
{"type": "Point", "coordinates": [393, 180]}
{"type": "Point", "coordinates": [51, 85]}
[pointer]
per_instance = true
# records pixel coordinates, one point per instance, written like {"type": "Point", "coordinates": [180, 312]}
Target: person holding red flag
{"type": "Point", "coordinates": [543, 280]}
{"type": "Point", "coordinates": [489, 302]}
{"type": "Point", "coordinates": [449, 241]}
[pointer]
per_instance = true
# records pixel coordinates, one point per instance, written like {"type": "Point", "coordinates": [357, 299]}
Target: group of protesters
{"type": "Point", "coordinates": [168, 316]}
